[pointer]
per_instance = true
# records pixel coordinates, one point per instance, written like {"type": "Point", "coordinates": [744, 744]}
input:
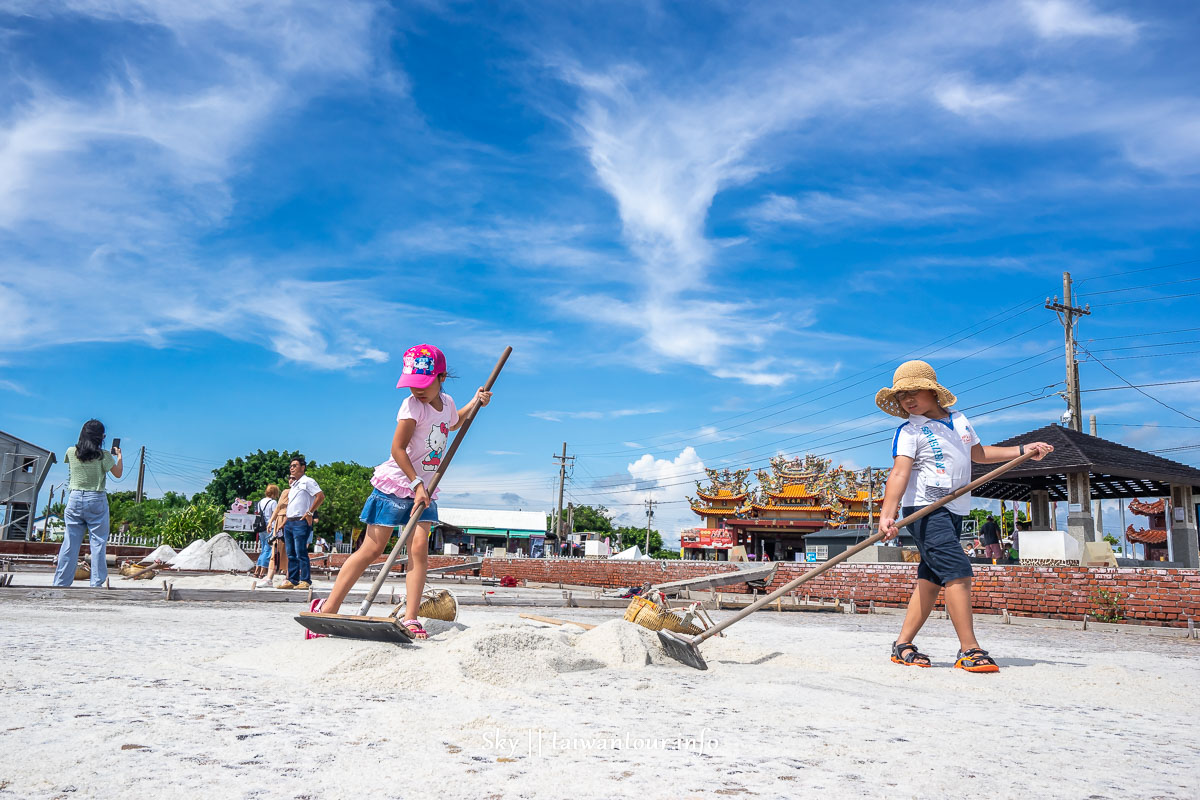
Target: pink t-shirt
{"type": "Point", "coordinates": [425, 449]}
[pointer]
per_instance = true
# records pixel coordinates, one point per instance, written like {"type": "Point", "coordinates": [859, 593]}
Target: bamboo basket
{"type": "Point", "coordinates": [82, 571]}
{"type": "Point", "coordinates": [650, 615]}
{"type": "Point", "coordinates": [434, 605]}
{"type": "Point", "coordinates": [910, 556]}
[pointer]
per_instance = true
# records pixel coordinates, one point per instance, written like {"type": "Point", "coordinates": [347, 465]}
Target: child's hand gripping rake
{"type": "Point", "coordinates": [686, 648]}
{"type": "Point", "coordinates": [360, 626]}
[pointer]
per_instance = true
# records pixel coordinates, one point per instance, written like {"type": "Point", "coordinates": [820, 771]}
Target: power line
{"type": "Point", "coordinates": [1138, 388]}
{"type": "Point", "coordinates": [1148, 299]}
{"type": "Point", "coordinates": [1138, 271]}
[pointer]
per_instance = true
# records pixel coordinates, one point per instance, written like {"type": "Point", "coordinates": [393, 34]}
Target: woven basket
{"type": "Point", "coordinates": [82, 571]}
{"type": "Point", "coordinates": [648, 614]}
{"type": "Point", "coordinates": [910, 556]}
{"type": "Point", "coordinates": [443, 606]}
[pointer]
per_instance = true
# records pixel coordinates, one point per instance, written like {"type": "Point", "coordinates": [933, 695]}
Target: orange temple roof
{"type": "Point", "coordinates": [859, 497]}
{"type": "Point", "coordinates": [709, 511]}
{"type": "Point", "coordinates": [792, 491]}
{"type": "Point", "coordinates": [722, 494]}
{"type": "Point", "coordinates": [785, 507]}
{"type": "Point", "coordinates": [1148, 509]}
{"type": "Point", "coordinates": [1152, 536]}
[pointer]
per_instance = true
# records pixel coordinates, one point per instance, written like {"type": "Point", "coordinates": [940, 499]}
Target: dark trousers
{"type": "Point", "coordinates": [296, 533]}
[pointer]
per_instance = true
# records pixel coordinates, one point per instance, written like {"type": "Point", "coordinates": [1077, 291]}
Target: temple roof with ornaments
{"type": "Point", "coordinates": [808, 484]}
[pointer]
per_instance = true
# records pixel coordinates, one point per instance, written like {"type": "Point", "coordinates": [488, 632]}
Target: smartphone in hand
{"type": "Point", "coordinates": [116, 445]}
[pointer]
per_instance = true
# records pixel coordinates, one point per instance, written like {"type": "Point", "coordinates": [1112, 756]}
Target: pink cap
{"type": "Point", "coordinates": [422, 365]}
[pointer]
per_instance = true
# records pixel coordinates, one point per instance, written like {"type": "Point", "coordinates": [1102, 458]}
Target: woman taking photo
{"type": "Point", "coordinates": [87, 505]}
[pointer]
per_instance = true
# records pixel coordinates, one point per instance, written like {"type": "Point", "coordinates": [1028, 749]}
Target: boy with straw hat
{"type": "Point", "coordinates": [932, 453]}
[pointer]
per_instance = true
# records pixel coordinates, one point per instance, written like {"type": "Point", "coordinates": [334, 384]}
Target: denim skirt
{"type": "Point", "coordinates": [388, 509]}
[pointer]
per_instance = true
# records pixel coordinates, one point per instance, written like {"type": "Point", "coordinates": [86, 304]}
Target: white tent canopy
{"type": "Point", "coordinates": [630, 554]}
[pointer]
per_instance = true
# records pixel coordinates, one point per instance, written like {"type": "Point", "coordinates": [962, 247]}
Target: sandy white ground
{"type": "Point", "coordinates": [227, 700]}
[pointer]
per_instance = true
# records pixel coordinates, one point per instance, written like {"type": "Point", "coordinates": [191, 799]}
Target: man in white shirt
{"type": "Point", "coordinates": [304, 497]}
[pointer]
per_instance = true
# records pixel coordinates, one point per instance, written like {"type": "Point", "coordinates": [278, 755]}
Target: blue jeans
{"type": "Point", "coordinates": [296, 533]}
{"type": "Point", "coordinates": [87, 512]}
{"type": "Point", "coordinates": [264, 558]}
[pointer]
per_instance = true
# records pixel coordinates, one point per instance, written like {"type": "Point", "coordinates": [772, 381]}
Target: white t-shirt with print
{"type": "Point", "coordinates": [941, 454]}
{"type": "Point", "coordinates": [425, 449]}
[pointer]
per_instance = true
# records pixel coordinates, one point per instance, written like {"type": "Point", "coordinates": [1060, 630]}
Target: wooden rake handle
{"type": "Point", "coordinates": [840, 557]}
{"type": "Point", "coordinates": [414, 517]}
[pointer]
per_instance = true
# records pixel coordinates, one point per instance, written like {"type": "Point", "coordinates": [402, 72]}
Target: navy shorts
{"type": "Point", "coordinates": [388, 509]}
{"type": "Point", "coordinates": [942, 557]}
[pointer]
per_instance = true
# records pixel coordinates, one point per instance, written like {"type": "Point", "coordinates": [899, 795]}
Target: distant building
{"type": "Point", "coordinates": [23, 468]}
{"type": "Point", "coordinates": [477, 531]}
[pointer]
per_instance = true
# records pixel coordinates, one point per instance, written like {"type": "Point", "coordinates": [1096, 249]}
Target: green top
{"type": "Point", "coordinates": [89, 476]}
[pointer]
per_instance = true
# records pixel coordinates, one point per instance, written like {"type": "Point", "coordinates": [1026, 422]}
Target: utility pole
{"type": "Point", "coordinates": [650, 504]}
{"type": "Point", "coordinates": [870, 497]}
{"type": "Point", "coordinates": [562, 479]}
{"type": "Point", "coordinates": [1066, 315]}
{"type": "Point", "coordinates": [141, 475]}
{"type": "Point", "coordinates": [1099, 503]}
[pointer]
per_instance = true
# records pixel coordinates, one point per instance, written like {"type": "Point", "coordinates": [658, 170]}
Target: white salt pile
{"type": "Point", "coordinates": [187, 552]}
{"type": "Point", "coordinates": [219, 553]}
{"type": "Point", "coordinates": [495, 654]}
{"type": "Point", "coordinates": [163, 553]}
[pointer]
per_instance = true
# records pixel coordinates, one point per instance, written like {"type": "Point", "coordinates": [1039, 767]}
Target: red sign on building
{"type": "Point", "coordinates": [707, 538]}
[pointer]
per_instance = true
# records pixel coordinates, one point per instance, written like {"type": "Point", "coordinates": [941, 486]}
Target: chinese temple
{"type": "Point", "coordinates": [721, 500]}
{"type": "Point", "coordinates": [1154, 538]}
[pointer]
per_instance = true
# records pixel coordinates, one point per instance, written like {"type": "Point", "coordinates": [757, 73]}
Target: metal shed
{"type": "Point", "coordinates": [23, 468]}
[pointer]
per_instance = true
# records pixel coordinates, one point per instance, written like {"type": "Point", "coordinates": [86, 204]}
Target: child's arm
{"type": "Point", "coordinates": [990, 454]}
{"type": "Point", "coordinates": [481, 398]}
{"type": "Point", "coordinates": [400, 440]}
{"type": "Point", "coordinates": [897, 482]}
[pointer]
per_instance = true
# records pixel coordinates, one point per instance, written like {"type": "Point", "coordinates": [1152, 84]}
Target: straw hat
{"type": "Point", "coordinates": [910, 376]}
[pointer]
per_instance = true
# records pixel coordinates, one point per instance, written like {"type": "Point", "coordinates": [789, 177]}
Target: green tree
{"type": "Point", "coordinates": [181, 526]}
{"type": "Point", "coordinates": [346, 486]}
{"type": "Point", "coordinates": [248, 477]}
{"type": "Point", "coordinates": [631, 536]}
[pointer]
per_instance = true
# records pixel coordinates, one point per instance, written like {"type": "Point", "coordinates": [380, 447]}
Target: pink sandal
{"type": "Point", "coordinates": [315, 607]}
{"type": "Point", "coordinates": [415, 629]}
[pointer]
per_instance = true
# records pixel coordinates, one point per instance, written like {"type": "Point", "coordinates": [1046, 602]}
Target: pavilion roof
{"type": "Point", "coordinates": [1152, 536]}
{"type": "Point", "coordinates": [1117, 471]}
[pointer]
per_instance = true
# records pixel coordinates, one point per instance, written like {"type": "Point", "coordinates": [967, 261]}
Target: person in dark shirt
{"type": "Point", "coordinates": [989, 534]}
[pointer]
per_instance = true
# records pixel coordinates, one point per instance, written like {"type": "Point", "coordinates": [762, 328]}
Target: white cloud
{"type": "Point", "coordinates": [111, 188]}
{"type": "Point", "coordinates": [659, 479]}
{"type": "Point", "coordinates": [559, 416]}
{"type": "Point", "coordinates": [12, 386]}
{"type": "Point", "coordinates": [1055, 19]}
{"type": "Point", "coordinates": [855, 206]}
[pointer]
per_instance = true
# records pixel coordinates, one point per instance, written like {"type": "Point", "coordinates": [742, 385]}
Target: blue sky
{"type": "Point", "coordinates": [709, 230]}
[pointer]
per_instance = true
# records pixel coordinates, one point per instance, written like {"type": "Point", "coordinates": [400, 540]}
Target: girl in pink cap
{"type": "Point", "coordinates": [422, 425]}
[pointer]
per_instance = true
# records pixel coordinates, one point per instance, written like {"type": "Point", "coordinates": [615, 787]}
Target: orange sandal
{"type": "Point", "coordinates": [976, 660]}
{"type": "Point", "coordinates": [905, 654]}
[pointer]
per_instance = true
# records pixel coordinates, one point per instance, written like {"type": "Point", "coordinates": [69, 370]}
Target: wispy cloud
{"type": "Point", "coordinates": [103, 193]}
{"type": "Point", "coordinates": [823, 208]}
{"type": "Point", "coordinates": [1056, 19]}
{"type": "Point", "coordinates": [13, 386]}
{"type": "Point", "coordinates": [559, 416]}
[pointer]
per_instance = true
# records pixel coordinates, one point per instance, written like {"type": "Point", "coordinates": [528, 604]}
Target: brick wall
{"type": "Point", "coordinates": [1147, 596]}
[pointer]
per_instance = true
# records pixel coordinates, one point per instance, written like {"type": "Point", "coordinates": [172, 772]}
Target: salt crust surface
{"type": "Point", "coordinates": [220, 552]}
{"type": "Point", "coordinates": [227, 700]}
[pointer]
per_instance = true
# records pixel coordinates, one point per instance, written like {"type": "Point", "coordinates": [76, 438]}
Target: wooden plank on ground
{"type": "Point", "coordinates": [754, 573]}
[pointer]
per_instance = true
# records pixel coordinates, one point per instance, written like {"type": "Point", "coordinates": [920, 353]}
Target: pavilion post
{"type": "Point", "coordinates": [1181, 527]}
{"type": "Point", "coordinates": [1081, 526]}
{"type": "Point", "coordinates": [1039, 501]}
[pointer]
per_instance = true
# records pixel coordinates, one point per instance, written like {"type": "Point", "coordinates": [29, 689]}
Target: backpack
{"type": "Point", "coordinates": [260, 522]}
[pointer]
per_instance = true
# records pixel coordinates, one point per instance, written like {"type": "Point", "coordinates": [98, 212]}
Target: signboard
{"type": "Point", "coordinates": [537, 546]}
{"type": "Point", "coordinates": [706, 538]}
{"type": "Point", "coordinates": [239, 523]}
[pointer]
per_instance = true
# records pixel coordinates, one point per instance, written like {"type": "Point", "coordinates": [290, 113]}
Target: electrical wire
{"type": "Point", "coordinates": [1138, 388]}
